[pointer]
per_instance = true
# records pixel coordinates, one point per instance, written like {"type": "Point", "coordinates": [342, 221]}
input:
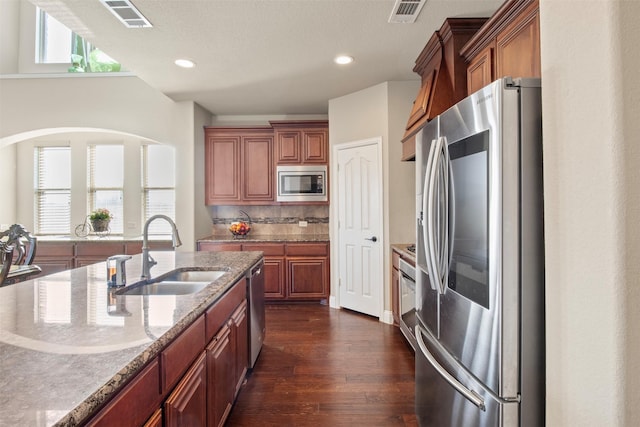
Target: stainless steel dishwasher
{"type": "Point", "coordinates": [256, 311]}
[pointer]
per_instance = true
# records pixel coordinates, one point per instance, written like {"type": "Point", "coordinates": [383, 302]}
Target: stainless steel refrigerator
{"type": "Point", "coordinates": [480, 261]}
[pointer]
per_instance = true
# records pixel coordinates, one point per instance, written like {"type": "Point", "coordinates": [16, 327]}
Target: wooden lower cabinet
{"type": "Point", "coordinates": [132, 406]}
{"type": "Point", "coordinates": [54, 257]}
{"type": "Point", "coordinates": [190, 383]}
{"type": "Point", "coordinates": [292, 271]}
{"type": "Point", "coordinates": [156, 419]}
{"type": "Point", "coordinates": [274, 278]}
{"type": "Point", "coordinates": [219, 377]}
{"type": "Point", "coordinates": [187, 405]}
{"type": "Point", "coordinates": [395, 287]}
{"type": "Point", "coordinates": [307, 278]}
{"type": "Point", "coordinates": [240, 332]}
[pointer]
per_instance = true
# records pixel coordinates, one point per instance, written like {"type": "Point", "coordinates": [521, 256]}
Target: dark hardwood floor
{"type": "Point", "coordinates": [326, 367]}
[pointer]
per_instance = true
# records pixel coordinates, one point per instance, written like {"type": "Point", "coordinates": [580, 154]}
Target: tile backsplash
{"type": "Point", "coordinates": [272, 220]}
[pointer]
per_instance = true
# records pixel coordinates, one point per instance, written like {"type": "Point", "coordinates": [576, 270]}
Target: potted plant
{"type": "Point", "coordinates": [100, 219]}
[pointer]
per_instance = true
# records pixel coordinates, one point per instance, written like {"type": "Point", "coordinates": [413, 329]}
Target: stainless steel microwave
{"type": "Point", "coordinates": [302, 183]}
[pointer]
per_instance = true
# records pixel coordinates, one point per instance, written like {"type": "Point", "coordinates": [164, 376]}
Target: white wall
{"type": "Point", "coordinates": [33, 109]}
{"type": "Point", "coordinates": [379, 111]}
{"type": "Point", "coordinates": [591, 131]}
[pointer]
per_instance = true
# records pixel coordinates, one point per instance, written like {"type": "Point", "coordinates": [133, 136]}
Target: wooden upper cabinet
{"type": "Point", "coordinates": [257, 169]}
{"type": "Point", "coordinates": [518, 46]}
{"type": "Point", "coordinates": [507, 45]}
{"type": "Point", "coordinates": [222, 167]}
{"type": "Point", "coordinates": [480, 70]}
{"type": "Point", "coordinates": [238, 166]}
{"type": "Point", "coordinates": [443, 76]}
{"type": "Point", "coordinates": [301, 142]}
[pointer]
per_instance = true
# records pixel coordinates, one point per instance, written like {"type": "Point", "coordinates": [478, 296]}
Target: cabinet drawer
{"type": "Point", "coordinates": [55, 249]}
{"type": "Point", "coordinates": [307, 249]}
{"type": "Point", "coordinates": [275, 249]}
{"type": "Point", "coordinates": [177, 357]}
{"type": "Point", "coordinates": [99, 249]}
{"type": "Point", "coordinates": [224, 308]}
{"type": "Point", "coordinates": [213, 247]}
{"type": "Point", "coordinates": [133, 405]}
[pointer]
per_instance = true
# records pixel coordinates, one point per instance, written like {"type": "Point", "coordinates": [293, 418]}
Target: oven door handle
{"type": "Point", "coordinates": [469, 394]}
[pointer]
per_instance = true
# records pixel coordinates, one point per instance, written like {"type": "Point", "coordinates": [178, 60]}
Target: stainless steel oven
{"type": "Point", "coordinates": [408, 301]}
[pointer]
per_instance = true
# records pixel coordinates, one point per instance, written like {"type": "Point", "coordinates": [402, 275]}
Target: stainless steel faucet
{"type": "Point", "coordinates": [147, 260]}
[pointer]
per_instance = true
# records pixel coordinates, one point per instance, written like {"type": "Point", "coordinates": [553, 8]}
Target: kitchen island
{"type": "Point", "coordinates": [68, 345]}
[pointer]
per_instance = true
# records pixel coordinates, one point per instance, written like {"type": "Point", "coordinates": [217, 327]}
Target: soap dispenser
{"type": "Point", "coordinates": [116, 273]}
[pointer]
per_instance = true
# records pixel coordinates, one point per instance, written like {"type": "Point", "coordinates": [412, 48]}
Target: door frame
{"type": "Point", "coordinates": [334, 298]}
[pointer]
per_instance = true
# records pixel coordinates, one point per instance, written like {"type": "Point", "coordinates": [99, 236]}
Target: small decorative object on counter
{"type": "Point", "coordinates": [239, 229]}
{"type": "Point", "coordinates": [98, 222]}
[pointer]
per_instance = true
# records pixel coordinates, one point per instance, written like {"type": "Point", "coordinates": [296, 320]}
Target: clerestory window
{"type": "Point", "coordinates": [57, 44]}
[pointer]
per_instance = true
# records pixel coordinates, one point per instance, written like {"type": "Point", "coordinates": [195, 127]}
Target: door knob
{"type": "Point", "coordinates": [373, 239]}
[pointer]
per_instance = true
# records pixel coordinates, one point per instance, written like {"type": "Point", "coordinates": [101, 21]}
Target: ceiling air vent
{"type": "Point", "coordinates": [127, 13]}
{"type": "Point", "coordinates": [406, 11]}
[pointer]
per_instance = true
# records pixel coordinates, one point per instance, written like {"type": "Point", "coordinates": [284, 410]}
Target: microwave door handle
{"type": "Point", "coordinates": [469, 394]}
{"type": "Point", "coordinates": [427, 209]}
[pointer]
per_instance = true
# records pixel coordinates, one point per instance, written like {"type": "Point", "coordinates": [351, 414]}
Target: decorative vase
{"type": "Point", "coordinates": [100, 225]}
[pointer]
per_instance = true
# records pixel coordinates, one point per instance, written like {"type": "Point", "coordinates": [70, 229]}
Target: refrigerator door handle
{"type": "Point", "coordinates": [469, 394]}
{"type": "Point", "coordinates": [436, 210]}
{"type": "Point", "coordinates": [427, 207]}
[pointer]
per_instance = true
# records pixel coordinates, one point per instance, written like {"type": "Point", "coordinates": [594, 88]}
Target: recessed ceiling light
{"type": "Point", "coordinates": [185, 63]}
{"type": "Point", "coordinates": [343, 59]}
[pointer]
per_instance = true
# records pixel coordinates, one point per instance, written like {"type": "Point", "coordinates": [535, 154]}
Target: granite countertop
{"type": "Point", "coordinates": [267, 238]}
{"type": "Point", "coordinates": [67, 344]}
{"type": "Point", "coordinates": [401, 248]}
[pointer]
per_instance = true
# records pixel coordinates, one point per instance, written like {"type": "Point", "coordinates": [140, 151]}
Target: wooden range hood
{"type": "Point", "coordinates": [444, 76]}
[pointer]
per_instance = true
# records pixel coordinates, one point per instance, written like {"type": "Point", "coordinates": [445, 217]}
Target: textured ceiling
{"type": "Point", "coordinates": [263, 56]}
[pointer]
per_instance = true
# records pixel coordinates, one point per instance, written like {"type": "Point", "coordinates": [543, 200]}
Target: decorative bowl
{"type": "Point", "coordinates": [239, 229]}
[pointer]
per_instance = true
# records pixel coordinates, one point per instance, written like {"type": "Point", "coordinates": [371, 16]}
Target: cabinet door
{"type": "Point", "coordinates": [518, 46]}
{"type": "Point", "coordinates": [395, 292]}
{"type": "Point", "coordinates": [314, 146]}
{"type": "Point", "coordinates": [307, 278]}
{"type": "Point", "coordinates": [135, 403]}
{"type": "Point", "coordinates": [219, 377]}
{"type": "Point", "coordinates": [257, 169]}
{"type": "Point", "coordinates": [54, 257]}
{"type": "Point", "coordinates": [288, 146]}
{"type": "Point", "coordinates": [240, 339]}
{"type": "Point", "coordinates": [274, 278]}
{"type": "Point", "coordinates": [480, 70]}
{"type": "Point", "coordinates": [213, 246]}
{"type": "Point", "coordinates": [222, 169]}
{"type": "Point", "coordinates": [187, 405]}
{"type": "Point", "coordinates": [155, 420]}
{"type": "Point", "coordinates": [50, 265]}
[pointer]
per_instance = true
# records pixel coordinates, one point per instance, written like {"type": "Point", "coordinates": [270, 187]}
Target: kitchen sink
{"type": "Point", "coordinates": [179, 282]}
{"type": "Point", "coordinates": [164, 288]}
{"type": "Point", "coordinates": [207, 276]}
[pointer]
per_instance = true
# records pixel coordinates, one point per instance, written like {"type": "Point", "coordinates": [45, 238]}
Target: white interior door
{"type": "Point", "coordinates": [360, 227]}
